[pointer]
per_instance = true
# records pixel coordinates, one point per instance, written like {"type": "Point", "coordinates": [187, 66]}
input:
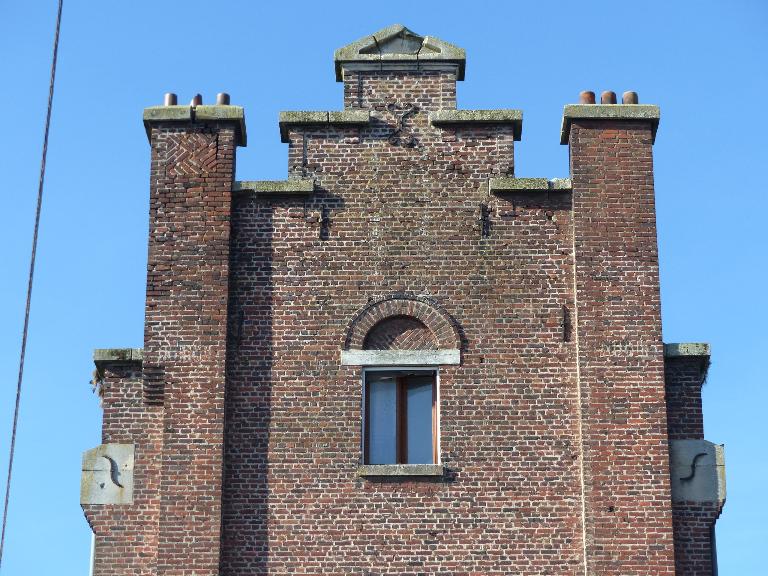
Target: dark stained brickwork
{"type": "Point", "coordinates": [553, 426]}
{"type": "Point", "coordinates": [693, 521]}
{"type": "Point", "coordinates": [684, 377]}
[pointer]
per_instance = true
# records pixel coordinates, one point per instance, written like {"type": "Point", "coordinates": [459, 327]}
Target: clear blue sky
{"type": "Point", "coordinates": [705, 63]}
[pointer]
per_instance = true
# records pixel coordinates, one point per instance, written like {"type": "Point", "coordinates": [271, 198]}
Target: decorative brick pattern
{"type": "Point", "coordinates": [186, 333]}
{"type": "Point", "coordinates": [400, 333]}
{"type": "Point", "coordinates": [443, 330]}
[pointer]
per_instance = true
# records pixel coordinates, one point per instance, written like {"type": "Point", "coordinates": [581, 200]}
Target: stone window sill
{"type": "Point", "coordinates": [400, 470]}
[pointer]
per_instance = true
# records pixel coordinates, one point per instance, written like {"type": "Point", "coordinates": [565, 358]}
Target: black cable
{"type": "Point", "coordinates": [31, 276]}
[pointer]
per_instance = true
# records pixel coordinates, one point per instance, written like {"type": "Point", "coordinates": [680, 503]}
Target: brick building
{"type": "Point", "coordinates": [403, 359]}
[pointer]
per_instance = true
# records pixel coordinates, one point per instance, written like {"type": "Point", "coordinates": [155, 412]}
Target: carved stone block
{"type": "Point", "coordinates": [107, 476]}
{"type": "Point", "coordinates": [697, 470]}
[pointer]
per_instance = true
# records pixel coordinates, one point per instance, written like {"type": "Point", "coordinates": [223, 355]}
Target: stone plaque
{"type": "Point", "coordinates": [697, 470]}
{"type": "Point", "coordinates": [107, 476]}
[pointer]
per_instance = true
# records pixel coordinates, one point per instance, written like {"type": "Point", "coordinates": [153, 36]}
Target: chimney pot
{"type": "Point", "coordinates": [629, 98]}
{"type": "Point", "coordinates": [197, 100]}
{"type": "Point", "coordinates": [222, 99]}
{"type": "Point", "coordinates": [170, 99]}
{"type": "Point", "coordinates": [587, 97]}
{"type": "Point", "coordinates": [608, 97]}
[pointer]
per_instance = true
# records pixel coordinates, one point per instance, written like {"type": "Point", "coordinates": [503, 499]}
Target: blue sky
{"type": "Point", "coordinates": [703, 62]}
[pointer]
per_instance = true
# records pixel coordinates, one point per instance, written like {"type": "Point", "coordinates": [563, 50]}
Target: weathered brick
{"type": "Point", "coordinates": [554, 427]}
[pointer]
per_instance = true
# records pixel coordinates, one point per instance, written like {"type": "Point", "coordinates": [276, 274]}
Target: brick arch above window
{"type": "Point", "coordinates": [400, 333]}
{"type": "Point", "coordinates": [402, 323]}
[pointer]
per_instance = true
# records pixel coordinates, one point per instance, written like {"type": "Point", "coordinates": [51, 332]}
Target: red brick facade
{"type": "Point", "coordinates": [247, 426]}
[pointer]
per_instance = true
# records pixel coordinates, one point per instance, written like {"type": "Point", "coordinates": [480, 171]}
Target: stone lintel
{"type": "Point", "coordinates": [470, 117]}
{"type": "Point", "coordinates": [293, 187]}
{"type": "Point", "coordinates": [342, 118]}
{"type": "Point", "coordinates": [202, 113]}
{"type": "Point", "coordinates": [400, 470]}
{"type": "Point", "coordinates": [501, 185]}
{"type": "Point", "coordinates": [105, 356]}
{"type": "Point", "coordinates": [646, 112]}
{"type": "Point", "coordinates": [400, 357]}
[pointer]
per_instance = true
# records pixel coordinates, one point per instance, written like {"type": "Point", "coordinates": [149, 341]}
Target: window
{"type": "Point", "coordinates": [400, 422]}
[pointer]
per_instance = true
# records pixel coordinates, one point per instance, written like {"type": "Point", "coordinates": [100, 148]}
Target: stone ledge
{"type": "Point", "coordinates": [400, 357]}
{"type": "Point", "coordinates": [293, 187]}
{"type": "Point", "coordinates": [200, 113]}
{"type": "Point", "coordinates": [400, 470]}
{"type": "Point", "coordinates": [500, 185]}
{"type": "Point", "coordinates": [103, 356]}
{"type": "Point", "coordinates": [687, 349]}
{"type": "Point", "coordinates": [514, 117]}
{"type": "Point", "coordinates": [308, 118]}
{"type": "Point", "coordinates": [649, 112]}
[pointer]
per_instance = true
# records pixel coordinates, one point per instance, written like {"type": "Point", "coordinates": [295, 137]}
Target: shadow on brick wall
{"type": "Point", "coordinates": [248, 405]}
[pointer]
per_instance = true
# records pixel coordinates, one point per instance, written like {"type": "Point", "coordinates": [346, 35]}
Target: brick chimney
{"type": "Point", "coordinates": [193, 166]}
{"type": "Point", "coordinates": [627, 523]}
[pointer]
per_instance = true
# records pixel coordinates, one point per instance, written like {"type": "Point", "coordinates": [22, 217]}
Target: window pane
{"type": "Point", "coordinates": [382, 420]}
{"type": "Point", "coordinates": [419, 424]}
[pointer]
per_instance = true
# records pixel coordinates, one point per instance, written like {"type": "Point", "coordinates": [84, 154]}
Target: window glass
{"type": "Point", "coordinates": [382, 420]}
{"type": "Point", "coordinates": [419, 419]}
{"type": "Point", "coordinates": [400, 417]}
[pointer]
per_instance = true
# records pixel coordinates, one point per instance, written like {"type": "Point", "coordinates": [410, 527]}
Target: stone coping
{"type": "Point", "coordinates": [332, 118]}
{"type": "Point", "coordinates": [293, 187]}
{"type": "Point", "coordinates": [514, 117]}
{"type": "Point", "coordinates": [200, 113]}
{"type": "Point", "coordinates": [679, 349]}
{"type": "Point", "coordinates": [382, 47]}
{"type": "Point", "coordinates": [500, 185]}
{"type": "Point", "coordinates": [649, 112]}
{"type": "Point", "coordinates": [400, 470]}
{"type": "Point", "coordinates": [103, 356]}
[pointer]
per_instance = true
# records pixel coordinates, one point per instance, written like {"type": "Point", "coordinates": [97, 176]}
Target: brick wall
{"type": "Point", "coordinates": [693, 521]}
{"type": "Point", "coordinates": [402, 219]}
{"type": "Point", "coordinates": [126, 535]}
{"type": "Point", "coordinates": [683, 377]}
{"type": "Point", "coordinates": [553, 428]}
{"type": "Point", "coordinates": [620, 360]}
{"type": "Point", "coordinates": [185, 333]}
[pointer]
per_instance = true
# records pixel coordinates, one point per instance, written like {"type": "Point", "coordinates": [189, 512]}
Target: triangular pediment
{"type": "Point", "coordinates": [399, 44]}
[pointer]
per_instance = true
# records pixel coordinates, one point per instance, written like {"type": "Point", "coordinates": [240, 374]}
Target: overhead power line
{"type": "Point", "coordinates": [31, 276]}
